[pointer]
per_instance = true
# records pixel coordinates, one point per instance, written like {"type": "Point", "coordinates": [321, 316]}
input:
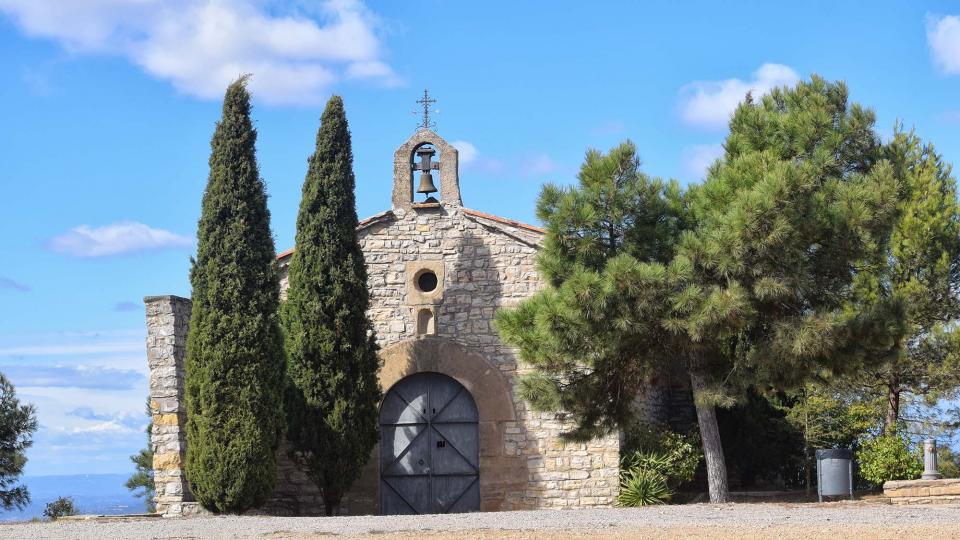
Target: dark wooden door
{"type": "Point", "coordinates": [429, 447]}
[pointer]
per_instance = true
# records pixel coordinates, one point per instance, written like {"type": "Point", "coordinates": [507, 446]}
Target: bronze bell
{"type": "Point", "coordinates": [426, 183]}
{"type": "Point", "coordinates": [426, 153]}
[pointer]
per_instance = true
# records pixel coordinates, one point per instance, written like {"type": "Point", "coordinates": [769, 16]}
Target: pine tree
{"type": "Point", "coordinates": [141, 481]}
{"type": "Point", "coordinates": [739, 282]}
{"type": "Point", "coordinates": [800, 196]}
{"type": "Point", "coordinates": [595, 334]}
{"type": "Point", "coordinates": [234, 362]}
{"type": "Point", "coordinates": [17, 425]}
{"type": "Point", "coordinates": [915, 283]}
{"type": "Point", "coordinates": [333, 391]}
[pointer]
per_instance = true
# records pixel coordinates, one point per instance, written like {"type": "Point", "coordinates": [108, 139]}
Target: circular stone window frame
{"type": "Point", "coordinates": [417, 295]}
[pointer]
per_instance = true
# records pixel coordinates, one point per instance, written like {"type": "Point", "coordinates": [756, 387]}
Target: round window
{"type": "Point", "coordinates": [427, 281]}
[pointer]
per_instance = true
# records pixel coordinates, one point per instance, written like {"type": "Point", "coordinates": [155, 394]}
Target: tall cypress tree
{"type": "Point", "coordinates": [234, 362]}
{"type": "Point", "coordinates": [333, 391]}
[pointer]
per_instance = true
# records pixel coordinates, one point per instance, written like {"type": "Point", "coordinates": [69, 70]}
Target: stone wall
{"type": "Point", "coordinates": [943, 491]}
{"type": "Point", "coordinates": [484, 263]}
{"type": "Point", "coordinates": [168, 318]}
{"type": "Point", "coordinates": [666, 401]}
{"type": "Point", "coordinates": [487, 263]}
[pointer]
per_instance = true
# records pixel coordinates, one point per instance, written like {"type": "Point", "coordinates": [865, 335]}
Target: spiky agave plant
{"type": "Point", "coordinates": [642, 487]}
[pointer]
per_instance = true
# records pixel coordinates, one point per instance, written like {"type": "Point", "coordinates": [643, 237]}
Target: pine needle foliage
{"type": "Point", "coordinates": [914, 282]}
{"type": "Point", "coordinates": [18, 422]}
{"type": "Point", "coordinates": [333, 392]}
{"type": "Point", "coordinates": [595, 334]}
{"type": "Point", "coordinates": [740, 281]}
{"type": "Point", "coordinates": [141, 481]}
{"type": "Point", "coordinates": [234, 358]}
{"type": "Point", "coordinates": [801, 195]}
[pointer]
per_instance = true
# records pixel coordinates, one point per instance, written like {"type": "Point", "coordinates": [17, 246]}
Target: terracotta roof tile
{"type": "Point", "coordinates": [505, 221]}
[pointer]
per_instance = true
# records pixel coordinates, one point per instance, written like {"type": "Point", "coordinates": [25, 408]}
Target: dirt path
{"type": "Point", "coordinates": [741, 521]}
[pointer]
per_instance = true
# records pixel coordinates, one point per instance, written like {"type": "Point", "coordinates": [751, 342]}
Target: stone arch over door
{"type": "Point", "coordinates": [500, 474]}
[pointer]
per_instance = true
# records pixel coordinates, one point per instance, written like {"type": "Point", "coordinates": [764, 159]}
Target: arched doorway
{"type": "Point", "coordinates": [429, 447]}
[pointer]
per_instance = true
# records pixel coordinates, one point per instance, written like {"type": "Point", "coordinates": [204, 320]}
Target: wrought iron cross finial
{"type": "Point", "coordinates": [426, 101]}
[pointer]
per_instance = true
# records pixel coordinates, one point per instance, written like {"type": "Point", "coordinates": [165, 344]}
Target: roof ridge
{"type": "Point", "coordinates": [505, 221]}
{"type": "Point", "coordinates": [475, 213]}
{"type": "Point", "coordinates": [360, 224]}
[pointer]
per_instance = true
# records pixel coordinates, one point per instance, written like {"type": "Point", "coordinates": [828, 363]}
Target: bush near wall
{"type": "Point", "coordinates": [889, 457]}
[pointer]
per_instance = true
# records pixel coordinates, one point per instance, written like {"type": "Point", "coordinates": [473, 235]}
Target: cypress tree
{"type": "Point", "coordinates": [234, 361]}
{"type": "Point", "coordinates": [333, 392]}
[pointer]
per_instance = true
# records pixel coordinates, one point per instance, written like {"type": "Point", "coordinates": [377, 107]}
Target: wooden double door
{"type": "Point", "coordinates": [429, 447]}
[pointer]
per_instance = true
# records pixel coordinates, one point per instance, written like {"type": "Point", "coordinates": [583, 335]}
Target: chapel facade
{"type": "Point", "coordinates": [454, 434]}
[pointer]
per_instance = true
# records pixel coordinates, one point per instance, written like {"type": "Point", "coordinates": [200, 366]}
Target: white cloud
{"type": "Point", "coordinates": [467, 152]}
{"type": "Point", "coordinates": [469, 157]}
{"type": "Point", "coordinates": [943, 37]}
{"type": "Point", "coordinates": [89, 389]}
{"type": "Point", "coordinates": [118, 422]}
{"type": "Point", "coordinates": [537, 165]}
{"type": "Point", "coordinates": [530, 166]}
{"type": "Point", "coordinates": [376, 70]}
{"type": "Point", "coordinates": [709, 104]}
{"type": "Point", "coordinates": [115, 239]}
{"type": "Point", "coordinates": [72, 376]}
{"type": "Point", "coordinates": [72, 349]}
{"type": "Point", "coordinates": [697, 159]}
{"type": "Point", "coordinates": [200, 46]}
{"type": "Point", "coordinates": [117, 349]}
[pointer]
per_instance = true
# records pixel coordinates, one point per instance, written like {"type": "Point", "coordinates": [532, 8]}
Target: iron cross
{"type": "Point", "coordinates": [426, 101]}
{"type": "Point", "coordinates": [426, 153]}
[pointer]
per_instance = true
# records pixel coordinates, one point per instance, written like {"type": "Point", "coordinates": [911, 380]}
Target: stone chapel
{"type": "Point", "coordinates": [454, 435]}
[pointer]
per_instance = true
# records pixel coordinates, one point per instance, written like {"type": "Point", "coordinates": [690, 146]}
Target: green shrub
{"type": "Point", "coordinates": [889, 457]}
{"type": "Point", "coordinates": [675, 456]}
{"type": "Point", "coordinates": [63, 506]}
{"type": "Point", "coordinates": [948, 462]}
{"type": "Point", "coordinates": [655, 461]}
{"type": "Point", "coordinates": [642, 487]}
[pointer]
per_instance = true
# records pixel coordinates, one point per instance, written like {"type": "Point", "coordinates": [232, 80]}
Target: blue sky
{"type": "Point", "coordinates": [108, 107]}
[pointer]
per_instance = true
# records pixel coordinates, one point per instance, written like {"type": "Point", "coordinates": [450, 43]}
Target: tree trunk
{"type": "Point", "coordinates": [331, 501]}
{"type": "Point", "coordinates": [893, 409]}
{"type": "Point", "coordinates": [807, 461]}
{"type": "Point", "coordinates": [710, 437]}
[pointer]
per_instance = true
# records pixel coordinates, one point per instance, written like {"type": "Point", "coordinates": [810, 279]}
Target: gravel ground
{"type": "Point", "coordinates": [735, 521]}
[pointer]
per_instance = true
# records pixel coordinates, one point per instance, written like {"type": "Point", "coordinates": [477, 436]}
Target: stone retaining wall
{"type": "Point", "coordinates": [944, 491]}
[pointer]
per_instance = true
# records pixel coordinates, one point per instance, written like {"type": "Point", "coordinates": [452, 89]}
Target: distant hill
{"type": "Point", "coordinates": [92, 493]}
